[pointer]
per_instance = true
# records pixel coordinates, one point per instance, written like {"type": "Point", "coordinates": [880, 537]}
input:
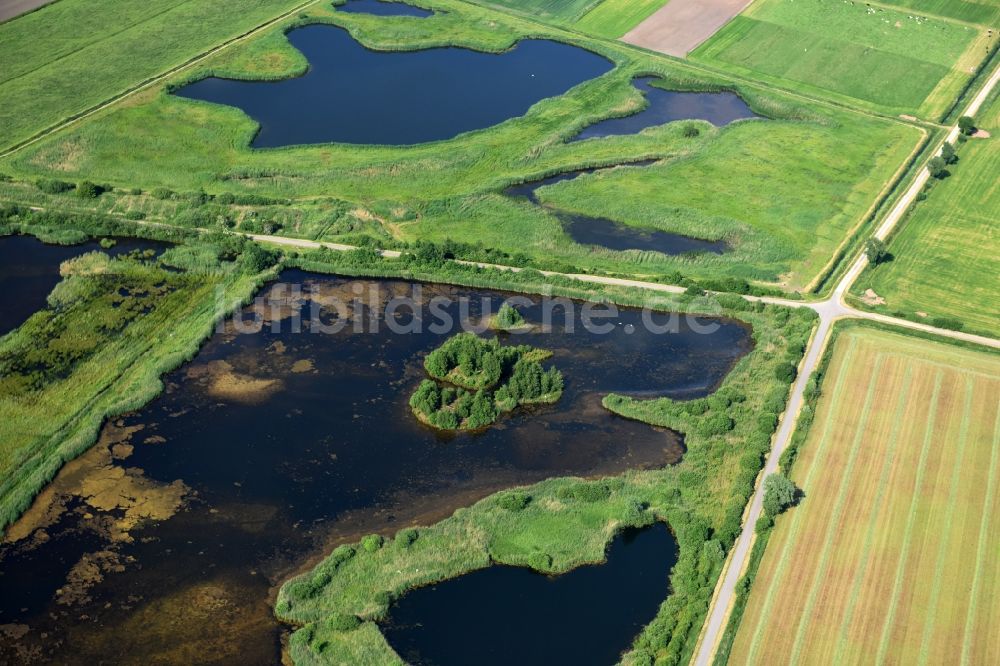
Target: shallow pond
{"type": "Point", "coordinates": [352, 94]}
{"type": "Point", "coordinates": [29, 270]}
{"type": "Point", "coordinates": [612, 234]}
{"type": "Point", "coordinates": [164, 542]}
{"type": "Point", "coordinates": [666, 106]}
{"type": "Point", "coordinates": [382, 8]}
{"type": "Point", "coordinates": [506, 615]}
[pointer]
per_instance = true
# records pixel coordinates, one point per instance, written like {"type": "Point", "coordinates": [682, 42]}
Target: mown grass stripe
{"type": "Point", "coordinates": [911, 519]}
{"type": "Point", "coordinates": [888, 465]}
{"type": "Point", "coordinates": [779, 573]}
{"type": "Point", "coordinates": [963, 437]}
{"type": "Point", "coordinates": [984, 533]}
{"type": "Point", "coordinates": [842, 497]}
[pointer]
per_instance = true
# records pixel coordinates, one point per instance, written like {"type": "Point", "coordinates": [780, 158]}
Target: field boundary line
{"type": "Point", "coordinates": [984, 529]}
{"type": "Point", "coordinates": [150, 82]}
{"type": "Point", "coordinates": [887, 467]}
{"type": "Point", "coordinates": [930, 620]}
{"type": "Point", "coordinates": [797, 519]}
{"type": "Point", "coordinates": [838, 511]}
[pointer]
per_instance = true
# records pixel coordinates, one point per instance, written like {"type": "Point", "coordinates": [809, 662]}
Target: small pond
{"type": "Point", "coordinates": [383, 8]}
{"type": "Point", "coordinates": [611, 234]}
{"type": "Point", "coordinates": [165, 541]}
{"type": "Point", "coordinates": [352, 94]}
{"type": "Point", "coordinates": [506, 615]}
{"type": "Point", "coordinates": [29, 270]}
{"type": "Point", "coordinates": [666, 106]}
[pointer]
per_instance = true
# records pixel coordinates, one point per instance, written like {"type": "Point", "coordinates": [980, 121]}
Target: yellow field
{"type": "Point", "coordinates": [892, 555]}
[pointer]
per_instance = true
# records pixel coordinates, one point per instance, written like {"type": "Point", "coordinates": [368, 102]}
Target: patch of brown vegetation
{"type": "Point", "coordinates": [870, 298]}
{"type": "Point", "coordinates": [224, 382]}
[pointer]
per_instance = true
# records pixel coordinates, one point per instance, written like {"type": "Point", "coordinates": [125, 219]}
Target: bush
{"type": "Point", "coordinates": [967, 125]}
{"type": "Point", "coordinates": [938, 167]}
{"type": "Point", "coordinates": [585, 492]}
{"type": "Point", "coordinates": [53, 186]}
{"type": "Point", "coordinates": [514, 501]}
{"type": "Point", "coordinates": [875, 250]}
{"type": "Point", "coordinates": [135, 191]}
{"type": "Point", "coordinates": [372, 542]}
{"type": "Point", "coordinates": [691, 130]}
{"type": "Point", "coordinates": [162, 193]}
{"type": "Point", "coordinates": [785, 372]}
{"type": "Point", "coordinates": [407, 537]}
{"type": "Point", "coordinates": [108, 243]}
{"type": "Point", "coordinates": [87, 190]}
{"type": "Point", "coordinates": [947, 322]}
{"type": "Point", "coordinates": [135, 215]}
{"type": "Point", "coordinates": [344, 622]}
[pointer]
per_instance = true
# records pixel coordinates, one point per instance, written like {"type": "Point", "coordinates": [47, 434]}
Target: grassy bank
{"type": "Point", "coordinates": [562, 523]}
{"type": "Point", "coordinates": [730, 183]}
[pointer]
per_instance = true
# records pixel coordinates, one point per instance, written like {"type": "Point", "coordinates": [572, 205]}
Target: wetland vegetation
{"type": "Point", "coordinates": [489, 379]}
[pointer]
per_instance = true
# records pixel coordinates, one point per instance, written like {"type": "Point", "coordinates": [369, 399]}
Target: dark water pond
{"type": "Point", "coordinates": [352, 94]}
{"type": "Point", "coordinates": [666, 106]}
{"type": "Point", "coordinates": [506, 615]}
{"type": "Point", "coordinates": [164, 542]}
{"type": "Point", "coordinates": [611, 234]}
{"type": "Point", "coordinates": [382, 8]}
{"type": "Point", "coordinates": [29, 270]}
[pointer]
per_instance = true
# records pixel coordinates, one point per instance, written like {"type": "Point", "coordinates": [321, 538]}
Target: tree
{"type": "Point", "coordinates": [779, 494]}
{"type": "Point", "coordinates": [967, 125]}
{"type": "Point", "coordinates": [876, 251]}
{"type": "Point", "coordinates": [948, 153]}
{"type": "Point", "coordinates": [938, 167]}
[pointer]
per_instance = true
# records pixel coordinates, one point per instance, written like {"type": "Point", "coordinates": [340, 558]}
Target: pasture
{"type": "Point", "coordinates": [946, 257]}
{"type": "Point", "coordinates": [784, 192]}
{"type": "Point", "coordinates": [888, 60]}
{"type": "Point", "coordinates": [890, 557]}
{"type": "Point", "coordinates": [983, 12]}
{"type": "Point", "coordinates": [613, 18]}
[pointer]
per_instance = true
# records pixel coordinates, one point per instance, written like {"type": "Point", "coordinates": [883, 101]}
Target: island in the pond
{"type": "Point", "coordinates": [476, 380]}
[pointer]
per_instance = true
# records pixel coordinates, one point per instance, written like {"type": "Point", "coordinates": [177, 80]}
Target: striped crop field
{"type": "Point", "coordinates": [613, 18]}
{"type": "Point", "coordinates": [891, 556]}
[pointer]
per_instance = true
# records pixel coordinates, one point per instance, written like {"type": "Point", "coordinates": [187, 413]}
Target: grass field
{"type": "Point", "coordinates": [890, 558]}
{"type": "Point", "coordinates": [73, 54]}
{"type": "Point", "coordinates": [983, 12]}
{"type": "Point", "coordinates": [888, 59]}
{"type": "Point", "coordinates": [946, 257]}
{"type": "Point", "coordinates": [812, 172]}
{"type": "Point", "coordinates": [613, 18]}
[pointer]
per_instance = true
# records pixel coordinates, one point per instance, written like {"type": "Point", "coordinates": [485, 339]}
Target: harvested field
{"type": "Point", "coordinates": [890, 558]}
{"type": "Point", "coordinates": [681, 25]}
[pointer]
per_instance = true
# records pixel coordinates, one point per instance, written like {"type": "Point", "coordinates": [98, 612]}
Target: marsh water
{"type": "Point", "coordinates": [508, 615]}
{"type": "Point", "coordinates": [352, 94]}
{"type": "Point", "coordinates": [612, 234]}
{"type": "Point", "coordinates": [165, 541]}
{"type": "Point", "coordinates": [665, 106]}
{"type": "Point", "coordinates": [29, 270]}
{"type": "Point", "coordinates": [383, 8]}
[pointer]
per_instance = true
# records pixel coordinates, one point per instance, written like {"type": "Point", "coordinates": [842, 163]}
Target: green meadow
{"type": "Point", "coordinates": [71, 55]}
{"type": "Point", "coordinates": [785, 192]}
{"type": "Point", "coordinates": [888, 60]}
{"type": "Point", "coordinates": [613, 18]}
{"type": "Point", "coordinates": [944, 261]}
{"type": "Point", "coordinates": [983, 12]}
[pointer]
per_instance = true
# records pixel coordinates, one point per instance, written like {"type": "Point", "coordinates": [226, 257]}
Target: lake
{"type": "Point", "coordinates": [352, 94]}
{"type": "Point", "coordinates": [167, 540]}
